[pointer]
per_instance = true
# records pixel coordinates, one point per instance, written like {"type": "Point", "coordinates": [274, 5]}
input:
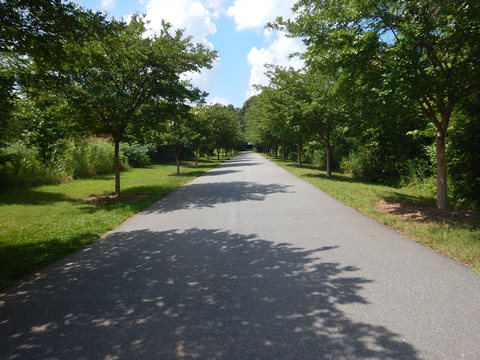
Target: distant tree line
{"type": "Point", "coordinates": [390, 93]}
{"type": "Point", "coordinates": [68, 75]}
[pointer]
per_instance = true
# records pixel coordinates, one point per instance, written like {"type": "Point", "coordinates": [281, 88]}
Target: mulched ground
{"type": "Point", "coordinates": [427, 212]}
{"type": "Point", "coordinates": [115, 198]}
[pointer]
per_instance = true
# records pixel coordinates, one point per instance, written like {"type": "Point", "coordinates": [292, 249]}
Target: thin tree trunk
{"type": "Point", "coordinates": [444, 109]}
{"type": "Point", "coordinates": [329, 155]}
{"type": "Point", "coordinates": [276, 151]}
{"type": "Point", "coordinates": [218, 154]}
{"type": "Point", "coordinates": [177, 159]}
{"type": "Point", "coordinates": [329, 160]}
{"type": "Point", "coordinates": [284, 152]}
{"type": "Point", "coordinates": [300, 151]}
{"type": "Point", "coordinates": [442, 199]}
{"type": "Point", "coordinates": [117, 167]}
{"type": "Point", "coordinates": [208, 154]}
{"type": "Point", "coordinates": [197, 151]}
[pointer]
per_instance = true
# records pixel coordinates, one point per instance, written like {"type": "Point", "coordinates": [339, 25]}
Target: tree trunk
{"type": "Point", "coordinates": [444, 108]}
{"type": "Point", "coordinates": [284, 152]}
{"type": "Point", "coordinates": [197, 154]}
{"type": "Point", "coordinates": [117, 167]}
{"type": "Point", "coordinates": [208, 154]}
{"type": "Point", "coordinates": [300, 151]}
{"type": "Point", "coordinates": [276, 151]}
{"type": "Point", "coordinates": [218, 154]}
{"type": "Point", "coordinates": [328, 149]}
{"type": "Point", "coordinates": [442, 199]}
{"type": "Point", "coordinates": [177, 159]}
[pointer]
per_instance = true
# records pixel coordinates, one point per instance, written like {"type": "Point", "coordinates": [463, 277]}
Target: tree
{"type": "Point", "coordinates": [37, 31]}
{"type": "Point", "coordinates": [428, 50]}
{"type": "Point", "coordinates": [221, 126]}
{"type": "Point", "coordinates": [258, 122]}
{"type": "Point", "coordinates": [178, 134]}
{"type": "Point", "coordinates": [40, 28]}
{"type": "Point", "coordinates": [201, 131]}
{"type": "Point", "coordinates": [7, 82]}
{"type": "Point", "coordinates": [292, 98]}
{"type": "Point", "coordinates": [277, 129]}
{"type": "Point", "coordinates": [116, 76]}
{"type": "Point", "coordinates": [326, 106]}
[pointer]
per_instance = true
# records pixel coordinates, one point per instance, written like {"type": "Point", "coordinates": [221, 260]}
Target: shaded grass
{"type": "Point", "coordinates": [40, 225]}
{"type": "Point", "coordinates": [445, 232]}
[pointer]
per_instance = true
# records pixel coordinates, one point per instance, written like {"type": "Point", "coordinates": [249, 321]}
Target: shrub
{"type": "Point", "coordinates": [314, 154]}
{"type": "Point", "coordinates": [20, 166]}
{"type": "Point", "coordinates": [137, 155]}
{"type": "Point", "coordinates": [463, 155]}
{"type": "Point", "coordinates": [360, 164]}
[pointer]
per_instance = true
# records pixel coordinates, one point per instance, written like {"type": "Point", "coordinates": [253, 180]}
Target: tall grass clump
{"type": "Point", "coordinates": [419, 174]}
{"type": "Point", "coordinates": [91, 157]}
{"type": "Point", "coordinates": [20, 165]}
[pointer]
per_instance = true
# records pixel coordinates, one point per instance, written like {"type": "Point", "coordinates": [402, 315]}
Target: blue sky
{"type": "Point", "coordinates": [235, 28]}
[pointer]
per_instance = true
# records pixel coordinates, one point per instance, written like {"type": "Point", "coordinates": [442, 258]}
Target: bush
{"type": "Point", "coordinates": [463, 155]}
{"type": "Point", "coordinates": [137, 155]}
{"type": "Point", "coordinates": [360, 165]}
{"type": "Point", "coordinates": [314, 154]}
{"type": "Point", "coordinates": [20, 166]}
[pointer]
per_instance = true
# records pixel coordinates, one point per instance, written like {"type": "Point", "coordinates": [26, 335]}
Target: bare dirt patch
{"type": "Point", "coordinates": [114, 198]}
{"type": "Point", "coordinates": [427, 212]}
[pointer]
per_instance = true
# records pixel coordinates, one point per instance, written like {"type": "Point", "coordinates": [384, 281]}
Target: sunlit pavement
{"type": "Point", "coordinates": [246, 262]}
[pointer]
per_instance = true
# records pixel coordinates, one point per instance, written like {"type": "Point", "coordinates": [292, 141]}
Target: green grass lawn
{"type": "Point", "coordinates": [411, 211]}
{"type": "Point", "coordinates": [40, 225]}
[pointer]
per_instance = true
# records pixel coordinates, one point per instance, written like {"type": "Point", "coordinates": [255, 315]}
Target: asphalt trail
{"type": "Point", "coordinates": [246, 262]}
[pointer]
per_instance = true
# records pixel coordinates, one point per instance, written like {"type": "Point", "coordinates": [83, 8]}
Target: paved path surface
{"type": "Point", "coordinates": [247, 262]}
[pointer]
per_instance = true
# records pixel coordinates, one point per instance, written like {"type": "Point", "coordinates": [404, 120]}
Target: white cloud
{"type": "Point", "coordinates": [193, 15]}
{"type": "Point", "coordinates": [276, 53]}
{"type": "Point", "coordinates": [251, 14]}
{"type": "Point", "coordinates": [205, 79]}
{"type": "Point", "coordinates": [215, 6]}
{"type": "Point", "coordinates": [197, 18]}
{"type": "Point", "coordinates": [107, 4]}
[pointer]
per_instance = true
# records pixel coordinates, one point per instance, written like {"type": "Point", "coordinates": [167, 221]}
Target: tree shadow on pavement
{"type": "Point", "coordinates": [218, 172]}
{"type": "Point", "coordinates": [238, 164]}
{"type": "Point", "coordinates": [194, 294]}
{"type": "Point", "coordinates": [207, 195]}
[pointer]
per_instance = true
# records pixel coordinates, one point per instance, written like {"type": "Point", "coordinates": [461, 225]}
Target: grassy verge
{"type": "Point", "coordinates": [411, 211]}
{"type": "Point", "coordinates": [40, 225]}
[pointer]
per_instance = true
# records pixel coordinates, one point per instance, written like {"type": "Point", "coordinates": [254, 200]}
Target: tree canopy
{"type": "Point", "coordinates": [70, 72]}
{"type": "Point", "coordinates": [425, 52]}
